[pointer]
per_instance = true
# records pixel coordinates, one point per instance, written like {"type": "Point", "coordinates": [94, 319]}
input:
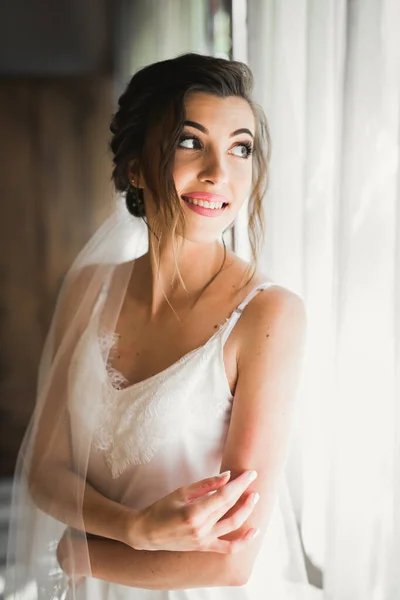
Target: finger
{"type": "Point", "coordinates": [216, 505]}
{"type": "Point", "coordinates": [231, 547]}
{"type": "Point", "coordinates": [237, 519]}
{"type": "Point", "coordinates": [205, 486]}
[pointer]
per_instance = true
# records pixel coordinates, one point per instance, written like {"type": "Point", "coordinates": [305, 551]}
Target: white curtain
{"type": "Point", "coordinates": [328, 76]}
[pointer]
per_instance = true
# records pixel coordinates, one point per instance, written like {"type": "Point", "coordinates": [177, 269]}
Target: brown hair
{"type": "Point", "coordinates": [149, 122]}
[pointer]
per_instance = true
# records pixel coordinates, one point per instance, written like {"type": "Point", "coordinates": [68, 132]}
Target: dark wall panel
{"type": "Point", "coordinates": [47, 37]}
{"type": "Point", "coordinates": [54, 191]}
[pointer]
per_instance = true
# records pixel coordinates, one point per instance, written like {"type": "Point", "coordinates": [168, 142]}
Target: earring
{"type": "Point", "coordinates": [134, 200]}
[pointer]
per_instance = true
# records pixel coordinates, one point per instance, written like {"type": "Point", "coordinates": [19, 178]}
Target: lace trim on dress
{"type": "Point", "coordinates": [106, 343]}
{"type": "Point", "coordinates": [135, 419]}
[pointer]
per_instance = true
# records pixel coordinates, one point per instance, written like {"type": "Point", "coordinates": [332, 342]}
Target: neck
{"type": "Point", "coordinates": [198, 264]}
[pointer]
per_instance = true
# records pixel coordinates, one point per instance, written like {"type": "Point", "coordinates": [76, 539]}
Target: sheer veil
{"type": "Point", "coordinates": [54, 445]}
{"type": "Point", "coordinates": [93, 289]}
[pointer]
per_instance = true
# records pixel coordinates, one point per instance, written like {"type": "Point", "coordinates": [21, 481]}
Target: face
{"type": "Point", "coordinates": [213, 163]}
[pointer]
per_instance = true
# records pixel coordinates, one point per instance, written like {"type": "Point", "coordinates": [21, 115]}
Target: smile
{"type": "Point", "coordinates": [205, 207]}
{"type": "Point", "coordinates": [204, 203]}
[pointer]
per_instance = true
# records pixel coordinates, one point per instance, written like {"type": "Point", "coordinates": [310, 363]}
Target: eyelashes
{"type": "Point", "coordinates": [186, 137]}
{"type": "Point", "coordinates": [249, 147]}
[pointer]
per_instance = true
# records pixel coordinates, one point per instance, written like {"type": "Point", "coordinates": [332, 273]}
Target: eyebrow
{"type": "Point", "coordinates": [204, 130]}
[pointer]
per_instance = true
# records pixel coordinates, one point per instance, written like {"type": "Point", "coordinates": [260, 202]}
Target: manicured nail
{"type": "Point", "coordinates": [256, 498]}
{"type": "Point", "coordinates": [224, 474]}
{"type": "Point", "coordinates": [254, 534]}
{"type": "Point", "coordinates": [252, 475]}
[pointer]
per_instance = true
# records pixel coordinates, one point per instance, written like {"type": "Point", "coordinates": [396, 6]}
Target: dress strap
{"type": "Point", "coordinates": [235, 316]}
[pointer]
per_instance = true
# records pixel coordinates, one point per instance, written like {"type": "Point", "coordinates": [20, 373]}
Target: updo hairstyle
{"type": "Point", "coordinates": [149, 122]}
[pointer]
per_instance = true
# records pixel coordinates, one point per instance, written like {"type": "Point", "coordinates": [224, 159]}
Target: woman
{"type": "Point", "coordinates": [169, 359]}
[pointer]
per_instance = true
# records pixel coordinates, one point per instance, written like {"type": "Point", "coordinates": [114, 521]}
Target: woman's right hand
{"type": "Point", "coordinates": [188, 518]}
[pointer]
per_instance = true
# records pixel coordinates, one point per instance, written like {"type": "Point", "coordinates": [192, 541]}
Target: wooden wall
{"type": "Point", "coordinates": [55, 190]}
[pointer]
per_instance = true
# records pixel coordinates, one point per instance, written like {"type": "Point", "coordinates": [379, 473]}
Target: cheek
{"type": "Point", "coordinates": [181, 174]}
{"type": "Point", "coordinates": [242, 175]}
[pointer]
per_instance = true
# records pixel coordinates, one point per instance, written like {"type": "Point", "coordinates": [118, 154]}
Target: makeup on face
{"type": "Point", "coordinates": [205, 203]}
{"type": "Point", "coordinates": [247, 144]}
{"type": "Point", "coordinates": [212, 170]}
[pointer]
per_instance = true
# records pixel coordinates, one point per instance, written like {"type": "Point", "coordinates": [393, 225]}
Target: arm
{"type": "Point", "coordinates": [271, 345]}
{"type": "Point", "coordinates": [153, 570]}
{"type": "Point", "coordinates": [54, 486]}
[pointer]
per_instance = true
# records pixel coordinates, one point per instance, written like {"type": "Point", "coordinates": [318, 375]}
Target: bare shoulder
{"type": "Point", "coordinates": [275, 312]}
{"type": "Point", "coordinates": [274, 296]}
{"type": "Point", "coordinates": [273, 302]}
{"type": "Point", "coordinates": [73, 290]}
{"type": "Point", "coordinates": [77, 281]}
{"type": "Point", "coordinates": [76, 284]}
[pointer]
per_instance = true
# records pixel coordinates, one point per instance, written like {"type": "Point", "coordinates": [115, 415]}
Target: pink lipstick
{"type": "Point", "coordinates": [205, 197]}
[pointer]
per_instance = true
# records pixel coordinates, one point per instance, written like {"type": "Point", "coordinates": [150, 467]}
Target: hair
{"type": "Point", "coordinates": [148, 125]}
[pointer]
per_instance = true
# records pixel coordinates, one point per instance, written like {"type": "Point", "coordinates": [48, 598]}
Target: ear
{"type": "Point", "coordinates": [134, 173]}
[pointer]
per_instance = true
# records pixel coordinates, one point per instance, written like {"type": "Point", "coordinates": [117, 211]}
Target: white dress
{"type": "Point", "coordinates": [168, 431]}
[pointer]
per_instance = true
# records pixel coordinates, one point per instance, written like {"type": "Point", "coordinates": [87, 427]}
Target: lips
{"type": "Point", "coordinates": [193, 200]}
{"type": "Point", "coordinates": [206, 197]}
{"type": "Point", "coordinates": [204, 210]}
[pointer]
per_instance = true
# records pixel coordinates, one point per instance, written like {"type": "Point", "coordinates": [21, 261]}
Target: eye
{"type": "Point", "coordinates": [189, 142]}
{"type": "Point", "coordinates": [244, 149]}
{"type": "Point", "coordinates": [192, 142]}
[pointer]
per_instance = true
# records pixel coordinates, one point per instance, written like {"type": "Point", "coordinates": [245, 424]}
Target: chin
{"type": "Point", "coordinates": [202, 236]}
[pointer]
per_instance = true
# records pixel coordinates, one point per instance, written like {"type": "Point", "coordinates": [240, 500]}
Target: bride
{"type": "Point", "coordinates": [169, 360]}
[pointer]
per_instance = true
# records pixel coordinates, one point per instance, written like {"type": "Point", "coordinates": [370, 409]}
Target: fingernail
{"type": "Point", "coordinates": [224, 474]}
{"type": "Point", "coordinates": [252, 475]}
{"type": "Point", "coordinates": [256, 498]}
{"type": "Point", "coordinates": [254, 534]}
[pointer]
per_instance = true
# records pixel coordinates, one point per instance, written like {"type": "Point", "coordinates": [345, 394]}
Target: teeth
{"type": "Point", "coordinates": [204, 203]}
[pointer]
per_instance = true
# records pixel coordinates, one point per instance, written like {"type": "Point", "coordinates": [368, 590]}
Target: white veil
{"type": "Point", "coordinates": [95, 284]}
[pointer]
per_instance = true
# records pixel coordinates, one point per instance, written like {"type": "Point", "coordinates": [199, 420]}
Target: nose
{"type": "Point", "coordinates": [213, 170]}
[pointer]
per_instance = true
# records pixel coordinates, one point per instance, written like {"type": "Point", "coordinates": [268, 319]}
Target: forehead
{"type": "Point", "coordinates": [212, 111]}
